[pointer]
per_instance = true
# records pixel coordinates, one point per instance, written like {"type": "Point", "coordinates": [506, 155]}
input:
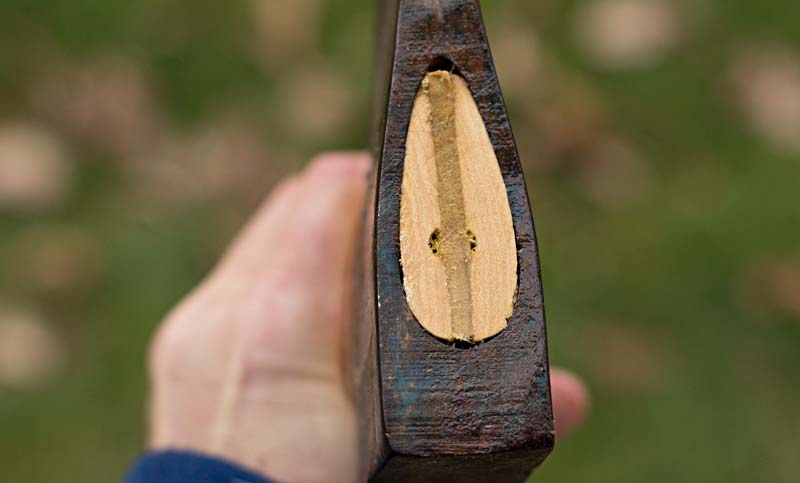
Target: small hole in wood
{"type": "Point", "coordinates": [443, 63]}
{"type": "Point", "coordinates": [433, 241]}
{"type": "Point", "coordinates": [473, 242]}
{"type": "Point", "coordinates": [463, 344]}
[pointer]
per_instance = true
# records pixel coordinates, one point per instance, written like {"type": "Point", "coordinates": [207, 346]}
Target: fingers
{"type": "Point", "coordinates": [289, 270]}
{"type": "Point", "coordinates": [303, 214]}
{"type": "Point", "coordinates": [570, 401]}
{"type": "Point", "coordinates": [289, 267]}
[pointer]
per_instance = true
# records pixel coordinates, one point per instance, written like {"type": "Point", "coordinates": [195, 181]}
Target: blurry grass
{"type": "Point", "coordinates": [721, 403]}
{"type": "Point", "coordinates": [722, 408]}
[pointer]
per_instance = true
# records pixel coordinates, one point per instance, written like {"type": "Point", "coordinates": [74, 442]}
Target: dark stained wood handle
{"type": "Point", "coordinates": [432, 411]}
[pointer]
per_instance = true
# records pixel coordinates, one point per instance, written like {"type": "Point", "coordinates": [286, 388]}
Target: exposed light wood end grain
{"type": "Point", "coordinates": [457, 244]}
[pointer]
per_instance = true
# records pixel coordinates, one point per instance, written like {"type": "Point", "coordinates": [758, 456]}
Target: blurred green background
{"type": "Point", "coordinates": [661, 144]}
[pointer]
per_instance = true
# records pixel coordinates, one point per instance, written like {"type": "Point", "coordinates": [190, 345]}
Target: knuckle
{"type": "Point", "coordinates": [169, 343]}
{"type": "Point", "coordinates": [161, 349]}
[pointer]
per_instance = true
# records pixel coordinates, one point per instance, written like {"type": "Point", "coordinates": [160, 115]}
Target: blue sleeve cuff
{"type": "Point", "coordinates": [188, 467]}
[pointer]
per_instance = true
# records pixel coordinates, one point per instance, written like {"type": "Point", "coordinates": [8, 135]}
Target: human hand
{"type": "Point", "coordinates": [251, 366]}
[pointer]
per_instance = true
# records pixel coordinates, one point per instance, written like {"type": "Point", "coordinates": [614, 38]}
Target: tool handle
{"type": "Point", "coordinates": [430, 410]}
